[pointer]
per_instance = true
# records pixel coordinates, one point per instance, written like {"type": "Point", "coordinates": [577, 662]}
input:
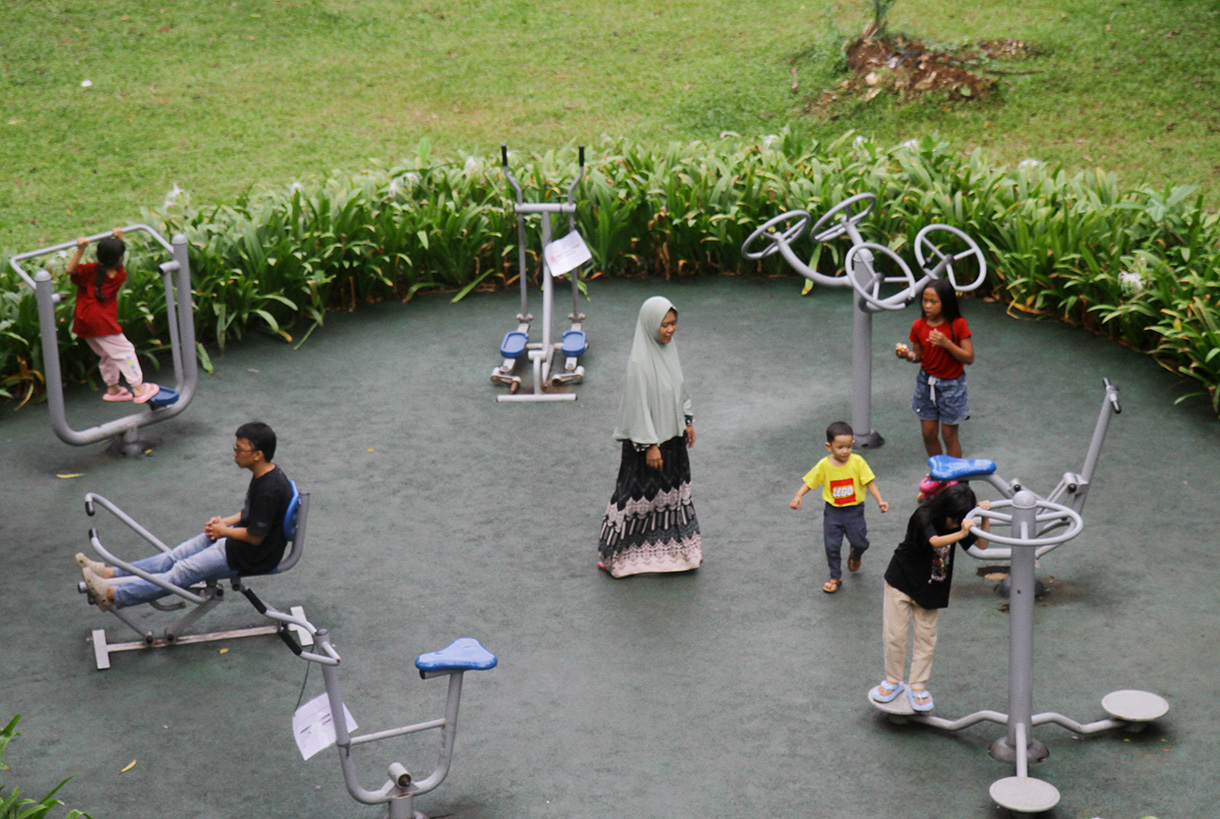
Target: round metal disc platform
{"type": "Point", "coordinates": [1134, 705]}
{"type": "Point", "coordinates": [1024, 795]}
{"type": "Point", "coordinates": [900, 706]}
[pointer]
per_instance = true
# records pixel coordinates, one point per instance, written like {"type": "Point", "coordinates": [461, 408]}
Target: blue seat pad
{"type": "Point", "coordinates": [573, 343]}
{"type": "Point", "coordinates": [514, 343]}
{"type": "Point", "coordinates": [948, 468]}
{"type": "Point", "coordinates": [465, 654]}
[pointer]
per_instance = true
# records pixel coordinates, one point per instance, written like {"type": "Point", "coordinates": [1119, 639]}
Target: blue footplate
{"type": "Point", "coordinates": [465, 654]}
{"type": "Point", "coordinates": [573, 343]}
{"type": "Point", "coordinates": [165, 397]}
{"type": "Point", "coordinates": [948, 468]}
{"type": "Point", "coordinates": [513, 345]}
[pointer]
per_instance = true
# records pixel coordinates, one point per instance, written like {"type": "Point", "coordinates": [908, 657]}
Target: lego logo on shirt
{"type": "Point", "coordinates": [843, 491]}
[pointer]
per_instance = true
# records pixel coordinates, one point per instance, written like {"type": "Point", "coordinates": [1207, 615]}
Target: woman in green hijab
{"type": "Point", "coordinates": [650, 523]}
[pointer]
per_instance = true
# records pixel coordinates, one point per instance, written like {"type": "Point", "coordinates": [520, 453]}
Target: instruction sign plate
{"type": "Point", "coordinates": [566, 254]}
{"type": "Point", "coordinates": [314, 727]}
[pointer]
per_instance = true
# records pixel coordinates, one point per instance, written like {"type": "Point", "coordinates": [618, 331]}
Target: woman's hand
{"type": "Point", "coordinates": [938, 339]}
{"type": "Point", "coordinates": [652, 457]}
{"type": "Point", "coordinates": [690, 436]}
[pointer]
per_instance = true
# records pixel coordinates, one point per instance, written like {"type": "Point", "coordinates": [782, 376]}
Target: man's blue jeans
{"type": "Point", "coordinates": [188, 563]}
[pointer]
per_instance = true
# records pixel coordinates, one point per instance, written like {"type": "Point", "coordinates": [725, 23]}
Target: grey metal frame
{"type": "Point", "coordinates": [400, 789]}
{"type": "Point", "coordinates": [542, 354]}
{"type": "Point", "coordinates": [1073, 487]}
{"type": "Point", "coordinates": [180, 318]}
{"type": "Point", "coordinates": [842, 220]}
{"type": "Point", "coordinates": [1032, 521]}
{"type": "Point", "coordinates": [203, 597]}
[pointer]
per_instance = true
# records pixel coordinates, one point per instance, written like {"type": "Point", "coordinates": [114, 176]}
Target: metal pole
{"type": "Point", "coordinates": [862, 359]}
{"type": "Point", "coordinates": [1108, 404]}
{"type": "Point", "coordinates": [547, 297]}
{"type": "Point", "coordinates": [186, 325]}
{"type": "Point", "coordinates": [1021, 639]}
{"type": "Point", "coordinates": [50, 358]}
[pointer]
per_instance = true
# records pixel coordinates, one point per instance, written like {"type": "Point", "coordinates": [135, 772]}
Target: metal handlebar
{"type": "Point", "coordinates": [1055, 511]}
{"type": "Point", "coordinates": [43, 251]}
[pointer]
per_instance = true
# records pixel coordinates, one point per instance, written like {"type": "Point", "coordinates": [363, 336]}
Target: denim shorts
{"type": "Point", "coordinates": [940, 399]}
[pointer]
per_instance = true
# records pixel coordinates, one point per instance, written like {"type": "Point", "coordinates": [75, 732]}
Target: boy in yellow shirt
{"type": "Point", "coordinates": [844, 477]}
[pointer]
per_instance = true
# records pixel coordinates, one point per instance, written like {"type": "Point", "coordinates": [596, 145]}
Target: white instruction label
{"type": "Point", "coordinates": [566, 254]}
{"type": "Point", "coordinates": [314, 728]}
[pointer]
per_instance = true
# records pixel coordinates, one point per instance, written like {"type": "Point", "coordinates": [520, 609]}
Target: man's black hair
{"type": "Point", "coordinates": [260, 436]}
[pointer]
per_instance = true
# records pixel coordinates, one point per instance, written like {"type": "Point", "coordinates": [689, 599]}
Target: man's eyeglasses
{"type": "Point", "coordinates": [239, 451]}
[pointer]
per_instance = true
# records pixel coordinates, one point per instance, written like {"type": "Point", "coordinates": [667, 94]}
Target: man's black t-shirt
{"type": "Point", "coordinates": [267, 500]}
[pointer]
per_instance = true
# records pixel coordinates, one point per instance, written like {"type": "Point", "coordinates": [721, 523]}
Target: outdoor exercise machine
{"type": "Point", "coordinates": [399, 791]}
{"type": "Point", "coordinates": [203, 597]}
{"type": "Point", "coordinates": [558, 258]}
{"type": "Point", "coordinates": [180, 317]}
{"type": "Point", "coordinates": [1072, 489]}
{"type": "Point", "coordinates": [1036, 525]}
{"type": "Point", "coordinates": [881, 279]}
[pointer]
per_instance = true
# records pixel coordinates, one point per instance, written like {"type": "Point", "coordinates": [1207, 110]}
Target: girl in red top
{"type": "Point", "coordinates": [941, 343]}
{"type": "Point", "coordinates": [96, 318]}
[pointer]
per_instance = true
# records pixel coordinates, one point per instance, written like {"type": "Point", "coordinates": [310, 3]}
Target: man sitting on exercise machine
{"type": "Point", "coordinates": [249, 542]}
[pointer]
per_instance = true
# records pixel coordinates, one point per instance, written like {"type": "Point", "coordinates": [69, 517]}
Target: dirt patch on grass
{"type": "Point", "coordinates": [911, 70]}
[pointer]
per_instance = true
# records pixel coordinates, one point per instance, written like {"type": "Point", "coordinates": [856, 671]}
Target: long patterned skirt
{"type": "Point", "coordinates": [650, 523]}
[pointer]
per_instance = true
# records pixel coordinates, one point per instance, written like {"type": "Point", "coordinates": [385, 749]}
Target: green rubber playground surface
{"type": "Point", "coordinates": [736, 690]}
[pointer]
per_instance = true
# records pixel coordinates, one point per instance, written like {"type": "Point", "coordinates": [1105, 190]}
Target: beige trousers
{"type": "Point", "coordinates": [898, 612]}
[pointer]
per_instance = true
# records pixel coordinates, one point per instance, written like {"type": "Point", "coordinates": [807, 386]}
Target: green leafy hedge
{"type": "Point", "coordinates": [16, 806]}
{"type": "Point", "coordinates": [1137, 265]}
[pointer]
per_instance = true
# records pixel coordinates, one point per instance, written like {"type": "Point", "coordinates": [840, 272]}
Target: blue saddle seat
{"type": "Point", "coordinates": [573, 343]}
{"type": "Point", "coordinates": [948, 468]}
{"type": "Point", "coordinates": [513, 345]}
{"type": "Point", "coordinates": [165, 397]}
{"type": "Point", "coordinates": [464, 654]}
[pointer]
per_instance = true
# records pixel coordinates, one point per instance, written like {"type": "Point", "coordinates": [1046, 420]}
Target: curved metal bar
{"type": "Point", "coordinates": [964, 722]}
{"type": "Point", "coordinates": [92, 499]}
{"type": "Point", "coordinates": [1059, 511]}
{"type": "Point", "coordinates": [46, 251]}
{"type": "Point", "coordinates": [1084, 729]}
{"type": "Point", "coordinates": [169, 587]}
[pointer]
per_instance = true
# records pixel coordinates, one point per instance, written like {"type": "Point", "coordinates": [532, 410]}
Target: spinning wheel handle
{"type": "Point", "coordinates": [1056, 511]}
{"type": "Point", "coordinates": [853, 218]}
{"type": "Point", "coordinates": [870, 290]}
{"type": "Point", "coordinates": [936, 258]}
{"type": "Point", "coordinates": [766, 230]}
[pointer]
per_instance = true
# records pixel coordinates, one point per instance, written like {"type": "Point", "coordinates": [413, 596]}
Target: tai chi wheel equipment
{"type": "Point", "coordinates": [1030, 519]}
{"type": "Point", "coordinates": [878, 275]}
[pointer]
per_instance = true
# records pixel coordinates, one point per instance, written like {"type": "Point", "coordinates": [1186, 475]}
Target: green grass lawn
{"type": "Point", "coordinates": [216, 97]}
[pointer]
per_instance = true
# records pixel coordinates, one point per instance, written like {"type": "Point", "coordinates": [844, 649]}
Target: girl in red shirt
{"type": "Point", "coordinates": [941, 343]}
{"type": "Point", "coordinates": [96, 318]}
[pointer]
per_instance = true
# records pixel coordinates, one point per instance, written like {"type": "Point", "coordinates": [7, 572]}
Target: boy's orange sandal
{"type": "Point", "coordinates": [832, 585]}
